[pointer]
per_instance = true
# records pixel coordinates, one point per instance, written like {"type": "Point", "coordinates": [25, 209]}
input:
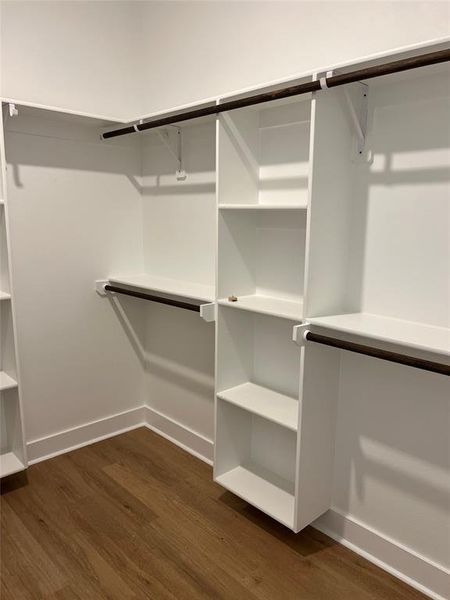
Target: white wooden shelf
{"type": "Point", "coordinates": [263, 489]}
{"type": "Point", "coordinates": [10, 464]}
{"type": "Point", "coordinates": [267, 305]}
{"type": "Point", "coordinates": [6, 382]}
{"type": "Point", "coordinates": [263, 206]}
{"type": "Point", "coordinates": [264, 402]}
{"type": "Point", "coordinates": [4, 296]}
{"type": "Point", "coordinates": [174, 287]}
{"type": "Point", "coordinates": [387, 329]}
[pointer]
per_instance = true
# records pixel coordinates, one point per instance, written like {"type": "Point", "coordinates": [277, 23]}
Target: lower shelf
{"type": "Point", "coordinates": [264, 402]}
{"type": "Point", "coordinates": [262, 489]}
{"type": "Point", "coordinates": [267, 305]}
{"type": "Point", "coordinates": [10, 464]}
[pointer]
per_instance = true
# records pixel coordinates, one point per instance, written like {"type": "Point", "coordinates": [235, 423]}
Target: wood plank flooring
{"type": "Point", "coordinates": [135, 517]}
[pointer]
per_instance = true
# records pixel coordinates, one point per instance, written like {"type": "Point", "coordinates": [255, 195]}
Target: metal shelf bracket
{"type": "Point", "coordinates": [357, 100]}
{"type": "Point", "coordinates": [163, 134]}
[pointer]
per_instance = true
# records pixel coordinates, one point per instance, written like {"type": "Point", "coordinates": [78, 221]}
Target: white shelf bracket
{"type": "Point", "coordinates": [100, 286]}
{"type": "Point", "coordinates": [208, 312]}
{"type": "Point", "coordinates": [357, 100]}
{"type": "Point", "coordinates": [163, 134]}
{"type": "Point", "coordinates": [298, 334]}
{"type": "Point", "coordinates": [12, 109]}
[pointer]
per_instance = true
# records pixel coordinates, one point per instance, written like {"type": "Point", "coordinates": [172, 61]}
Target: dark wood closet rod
{"type": "Point", "coordinates": [159, 299]}
{"type": "Point", "coordinates": [422, 60]}
{"type": "Point", "coordinates": [402, 359]}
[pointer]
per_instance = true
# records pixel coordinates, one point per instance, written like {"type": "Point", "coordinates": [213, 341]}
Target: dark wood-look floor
{"type": "Point", "coordinates": [135, 517]}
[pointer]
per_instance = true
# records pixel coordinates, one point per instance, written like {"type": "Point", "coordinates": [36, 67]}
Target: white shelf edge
{"type": "Point", "coordinates": [338, 323]}
{"type": "Point", "coordinates": [245, 303]}
{"type": "Point", "coordinates": [172, 287]}
{"type": "Point", "coordinates": [265, 406]}
{"type": "Point", "coordinates": [109, 121]}
{"type": "Point", "coordinates": [7, 382]}
{"type": "Point", "coordinates": [261, 493]}
{"type": "Point", "coordinates": [5, 295]}
{"type": "Point", "coordinates": [263, 207]}
{"type": "Point", "coordinates": [10, 464]}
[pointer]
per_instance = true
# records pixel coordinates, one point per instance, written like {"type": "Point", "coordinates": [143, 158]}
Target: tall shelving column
{"type": "Point", "coordinates": [273, 444]}
{"type": "Point", "coordinates": [12, 443]}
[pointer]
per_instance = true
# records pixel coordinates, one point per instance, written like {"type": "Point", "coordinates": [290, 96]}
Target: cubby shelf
{"type": "Point", "coordinates": [174, 287]}
{"type": "Point", "coordinates": [267, 305]}
{"type": "Point", "coordinates": [264, 402]}
{"type": "Point", "coordinates": [263, 489]}
{"type": "Point", "coordinates": [6, 382]}
{"type": "Point", "coordinates": [4, 296]}
{"type": "Point", "coordinates": [263, 206]}
{"type": "Point", "coordinates": [387, 329]}
{"type": "Point", "coordinates": [10, 464]}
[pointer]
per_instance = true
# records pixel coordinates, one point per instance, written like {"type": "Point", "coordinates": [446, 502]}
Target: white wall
{"type": "Point", "coordinates": [127, 58]}
{"type": "Point", "coordinates": [195, 50]}
{"type": "Point", "coordinates": [75, 217]}
{"type": "Point", "coordinates": [79, 55]}
{"type": "Point", "coordinates": [179, 221]}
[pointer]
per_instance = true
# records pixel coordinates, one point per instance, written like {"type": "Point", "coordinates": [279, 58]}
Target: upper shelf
{"type": "Point", "coordinates": [387, 329]}
{"type": "Point", "coordinates": [164, 285]}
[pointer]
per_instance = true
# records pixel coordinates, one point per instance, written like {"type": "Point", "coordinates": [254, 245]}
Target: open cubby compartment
{"type": "Point", "coordinates": [179, 214]}
{"type": "Point", "coordinates": [261, 473]}
{"type": "Point", "coordinates": [261, 261]}
{"type": "Point", "coordinates": [12, 458]}
{"type": "Point", "coordinates": [258, 366]}
{"type": "Point", "coordinates": [264, 155]}
{"type": "Point", "coordinates": [378, 256]}
{"type": "Point", "coordinates": [7, 346]}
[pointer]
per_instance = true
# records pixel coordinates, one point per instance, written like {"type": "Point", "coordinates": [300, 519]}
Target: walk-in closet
{"type": "Point", "coordinates": [225, 320]}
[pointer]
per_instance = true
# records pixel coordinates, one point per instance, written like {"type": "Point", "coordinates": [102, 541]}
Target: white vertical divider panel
{"type": "Point", "coordinates": [13, 456]}
{"type": "Point", "coordinates": [319, 387]}
{"type": "Point", "coordinates": [329, 193]}
{"type": "Point", "coordinates": [329, 199]}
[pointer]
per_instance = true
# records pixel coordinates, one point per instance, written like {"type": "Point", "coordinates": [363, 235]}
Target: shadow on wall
{"type": "Point", "coordinates": [176, 349]}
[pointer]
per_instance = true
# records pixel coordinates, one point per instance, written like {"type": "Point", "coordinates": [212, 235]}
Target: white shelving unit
{"type": "Point", "coordinates": [12, 442]}
{"type": "Point", "coordinates": [267, 429]}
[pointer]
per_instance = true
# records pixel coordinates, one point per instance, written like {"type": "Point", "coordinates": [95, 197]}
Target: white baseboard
{"type": "Point", "coordinates": [83, 435]}
{"type": "Point", "coordinates": [182, 436]}
{"type": "Point", "coordinates": [95, 431]}
{"type": "Point", "coordinates": [404, 563]}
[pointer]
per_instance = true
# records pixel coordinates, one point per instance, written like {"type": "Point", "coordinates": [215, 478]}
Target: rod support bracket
{"type": "Point", "coordinates": [100, 286]}
{"type": "Point", "coordinates": [208, 312]}
{"type": "Point", "coordinates": [299, 333]}
{"type": "Point", "coordinates": [180, 173]}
